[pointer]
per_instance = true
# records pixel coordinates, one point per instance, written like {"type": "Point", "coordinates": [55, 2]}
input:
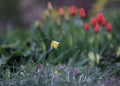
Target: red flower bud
{"type": "Point", "coordinates": [86, 26]}
{"type": "Point", "coordinates": [82, 12]}
{"type": "Point", "coordinates": [73, 10]}
{"type": "Point", "coordinates": [93, 21]}
{"type": "Point", "coordinates": [61, 11]}
{"type": "Point", "coordinates": [96, 28]}
{"type": "Point", "coordinates": [103, 21]}
{"type": "Point", "coordinates": [109, 27]}
{"type": "Point", "coordinates": [50, 7]}
{"type": "Point", "coordinates": [99, 17]}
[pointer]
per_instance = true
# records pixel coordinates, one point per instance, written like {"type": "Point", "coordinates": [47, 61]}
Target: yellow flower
{"type": "Point", "coordinates": [56, 72]}
{"type": "Point", "coordinates": [54, 44]}
{"type": "Point", "coordinates": [37, 24]}
{"type": "Point", "coordinates": [109, 36]}
{"type": "Point", "coordinates": [91, 56]}
{"type": "Point", "coordinates": [97, 59]}
{"type": "Point", "coordinates": [118, 52]}
{"type": "Point", "coordinates": [47, 14]}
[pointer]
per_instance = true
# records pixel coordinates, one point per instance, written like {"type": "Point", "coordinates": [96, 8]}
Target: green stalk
{"type": "Point", "coordinates": [46, 56]}
{"type": "Point", "coordinates": [86, 42]}
{"type": "Point", "coordinates": [96, 42]}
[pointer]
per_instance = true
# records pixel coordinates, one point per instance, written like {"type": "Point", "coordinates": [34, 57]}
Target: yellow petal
{"type": "Point", "coordinates": [37, 24]}
{"type": "Point", "coordinates": [91, 56]}
{"type": "Point", "coordinates": [54, 44]}
{"type": "Point", "coordinates": [97, 59]}
{"type": "Point", "coordinates": [56, 72]}
{"type": "Point", "coordinates": [118, 52]}
{"type": "Point", "coordinates": [109, 36]}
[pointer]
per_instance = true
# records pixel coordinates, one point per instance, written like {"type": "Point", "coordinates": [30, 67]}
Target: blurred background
{"type": "Point", "coordinates": [23, 13]}
{"type": "Point", "coordinates": [88, 32]}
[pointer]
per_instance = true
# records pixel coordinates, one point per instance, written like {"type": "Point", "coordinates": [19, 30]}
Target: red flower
{"type": "Point", "coordinates": [93, 21]}
{"type": "Point", "coordinates": [61, 11]}
{"type": "Point", "coordinates": [103, 21]}
{"type": "Point", "coordinates": [86, 26]}
{"type": "Point", "coordinates": [99, 17]}
{"type": "Point", "coordinates": [109, 27]}
{"type": "Point", "coordinates": [96, 28]}
{"type": "Point", "coordinates": [73, 10]}
{"type": "Point", "coordinates": [82, 12]}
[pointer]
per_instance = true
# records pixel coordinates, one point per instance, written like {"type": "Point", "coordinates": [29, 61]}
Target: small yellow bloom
{"type": "Point", "coordinates": [91, 56]}
{"type": "Point", "coordinates": [56, 72]}
{"type": "Point", "coordinates": [47, 14]}
{"type": "Point", "coordinates": [118, 52]}
{"type": "Point", "coordinates": [54, 44]}
{"type": "Point", "coordinates": [37, 24]}
{"type": "Point", "coordinates": [97, 59]}
{"type": "Point", "coordinates": [109, 36]}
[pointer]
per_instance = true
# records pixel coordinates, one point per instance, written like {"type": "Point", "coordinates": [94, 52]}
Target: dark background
{"type": "Point", "coordinates": [23, 13]}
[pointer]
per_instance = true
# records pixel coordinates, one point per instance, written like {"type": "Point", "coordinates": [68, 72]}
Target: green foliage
{"type": "Point", "coordinates": [84, 58]}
